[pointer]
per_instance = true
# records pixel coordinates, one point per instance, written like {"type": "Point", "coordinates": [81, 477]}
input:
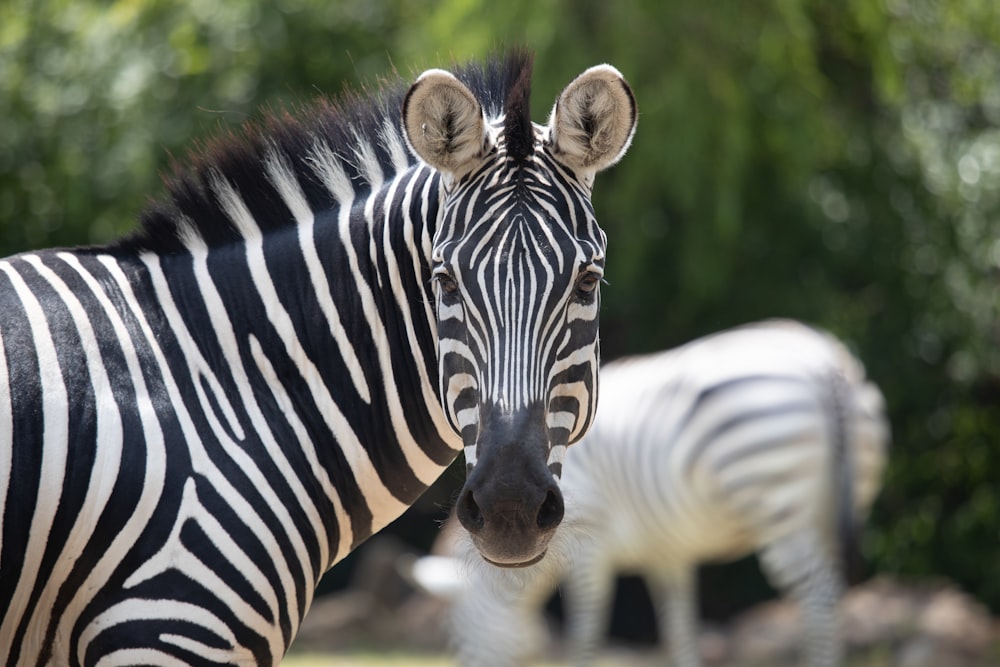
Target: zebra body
{"type": "Point", "coordinates": [743, 441]}
{"type": "Point", "coordinates": [198, 420]}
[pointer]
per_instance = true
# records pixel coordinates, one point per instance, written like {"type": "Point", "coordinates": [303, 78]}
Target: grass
{"type": "Point", "coordinates": [365, 660]}
{"type": "Point", "coordinates": [401, 659]}
{"type": "Point", "coordinates": [415, 660]}
{"type": "Point", "coordinates": [387, 660]}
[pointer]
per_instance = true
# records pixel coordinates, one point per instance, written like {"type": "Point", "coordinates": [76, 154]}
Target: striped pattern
{"type": "Point", "coordinates": [765, 438]}
{"type": "Point", "coordinates": [198, 420]}
{"type": "Point", "coordinates": [517, 262]}
{"type": "Point", "coordinates": [522, 322]}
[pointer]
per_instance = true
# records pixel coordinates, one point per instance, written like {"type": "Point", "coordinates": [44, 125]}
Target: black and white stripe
{"type": "Point", "coordinates": [739, 442]}
{"type": "Point", "coordinates": [197, 421]}
{"type": "Point", "coordinates": [517, 262]}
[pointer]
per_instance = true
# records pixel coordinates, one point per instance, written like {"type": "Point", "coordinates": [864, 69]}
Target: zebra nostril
{"type": "Point", "coordinates": [469, 514]}
{"type": "Point", "coordinates": [551, 511]}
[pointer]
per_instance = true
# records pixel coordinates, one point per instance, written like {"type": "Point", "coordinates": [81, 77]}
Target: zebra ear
{"type": "Point", "coordinates": [593, 120]}
{"type": "Point", "coordinates": [444, 123]}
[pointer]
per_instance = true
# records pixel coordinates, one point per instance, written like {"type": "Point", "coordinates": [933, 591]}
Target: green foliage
{"type": "Point", "coordinates": [95, 97]}
{"type": "Point", "coordinates": [834, 162]}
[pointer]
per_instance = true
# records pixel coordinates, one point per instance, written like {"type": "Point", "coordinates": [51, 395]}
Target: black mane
{"type": "Point", "coordinates": [517, 121]}
{"type": "Point", "coordinates": [501, 84]}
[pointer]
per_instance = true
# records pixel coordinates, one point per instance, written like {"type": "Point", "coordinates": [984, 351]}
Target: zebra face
{"type": "Point", "coordinates": [517, 261]}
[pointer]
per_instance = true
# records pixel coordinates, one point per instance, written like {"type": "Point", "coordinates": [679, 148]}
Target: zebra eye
{"type": "Point", "coordinates": [587, 284]}
{"type": "Point", "coordinates": [446, 283]}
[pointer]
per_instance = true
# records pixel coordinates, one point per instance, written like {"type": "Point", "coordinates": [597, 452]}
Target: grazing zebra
{"type": "Point", "coordinates": [764, 438]}
{"type": "Point", "coordinates": [198, 420]}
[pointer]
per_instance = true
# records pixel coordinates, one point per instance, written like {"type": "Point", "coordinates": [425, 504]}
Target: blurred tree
{"type": "Point", "coordinates": [96, 96]}
{"type": "Point", "coordinates": [834, 162]}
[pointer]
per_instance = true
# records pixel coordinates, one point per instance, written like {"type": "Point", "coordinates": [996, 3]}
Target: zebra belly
{"type": "Point", "coordinates": [680, 539]}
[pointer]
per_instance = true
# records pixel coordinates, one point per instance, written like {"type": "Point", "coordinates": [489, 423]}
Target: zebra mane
{"type": "Point", "coordinates": [517, 114]}
{"type": "Point", "coordinates": [190, 205]}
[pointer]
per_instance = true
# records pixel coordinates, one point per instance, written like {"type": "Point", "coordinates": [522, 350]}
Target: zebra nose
{"type": "Point", "coordinates": [469, 514]}
{"type": "Point", "coordinates": [550, 514]}
{"type": "Point", "coordinates": [511, 528]}
{"type": "Point", "coordinates": [547, 517]}
{"type": "Point", "coordinates": [511, 503]}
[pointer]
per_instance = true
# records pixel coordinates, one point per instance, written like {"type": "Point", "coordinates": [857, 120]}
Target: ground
{"type": "Point", "coordinates": [381, 620]}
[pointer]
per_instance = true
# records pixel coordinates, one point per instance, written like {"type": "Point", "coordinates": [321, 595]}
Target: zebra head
{"type": "Point", "coordinates": [517, 260]}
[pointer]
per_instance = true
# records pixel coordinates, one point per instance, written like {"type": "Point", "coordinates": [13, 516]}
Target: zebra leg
{"type": "Point", "coordinates": [588, 588]}
{"type": "Point", "coordinates": [674, 596]}
{"type": "Point", "coordinates": [800, 566]}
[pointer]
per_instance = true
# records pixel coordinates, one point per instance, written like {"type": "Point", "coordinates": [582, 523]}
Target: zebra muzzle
{"type": "Point", "coordinates": [511, 503]}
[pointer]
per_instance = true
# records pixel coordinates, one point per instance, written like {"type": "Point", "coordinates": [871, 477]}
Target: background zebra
{"type": "Point", "coordinates": [199, 420]}
{"type": "Point", "coordinates": [764, 438]}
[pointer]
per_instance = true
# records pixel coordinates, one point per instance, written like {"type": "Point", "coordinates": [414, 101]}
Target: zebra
{"type": "Point", "coordinates": [199, 419]}
{"type": "Point", "coordinates": [763, 438]}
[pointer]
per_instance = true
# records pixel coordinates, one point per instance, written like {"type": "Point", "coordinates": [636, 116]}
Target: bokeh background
{"type": "Point", "coordinates": [835, 162]}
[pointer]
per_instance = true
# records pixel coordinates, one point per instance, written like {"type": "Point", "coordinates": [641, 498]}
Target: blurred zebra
{"type": "Point", "coordinates": [764, 438]}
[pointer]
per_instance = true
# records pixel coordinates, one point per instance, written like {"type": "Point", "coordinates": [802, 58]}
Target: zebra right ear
{"type": "Point", "coordinates": [444, 124]}
{"type": "Point", "coordinates": [593, 121]}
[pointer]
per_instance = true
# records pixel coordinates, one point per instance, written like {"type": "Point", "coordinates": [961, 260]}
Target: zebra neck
{"type": "Point", "coordinates": [319, 342]}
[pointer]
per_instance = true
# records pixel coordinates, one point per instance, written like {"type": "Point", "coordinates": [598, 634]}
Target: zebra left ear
{"type": "Point", "coordinates": [444, 123]}
{"type": "Point", "coordinates": [593, 120]}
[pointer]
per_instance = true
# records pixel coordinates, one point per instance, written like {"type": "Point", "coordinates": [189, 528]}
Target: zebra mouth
{"type": "Point", "coordinates": [527, 563]}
